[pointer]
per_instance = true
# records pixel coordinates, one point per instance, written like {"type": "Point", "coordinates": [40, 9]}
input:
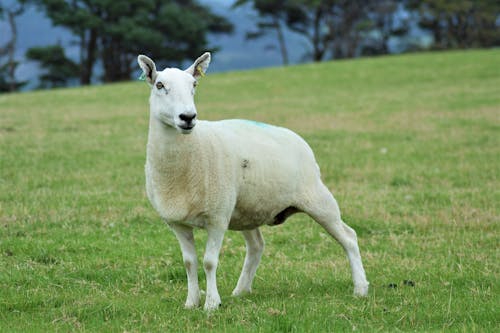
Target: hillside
{"type": "Point", "coordinates": [408, 144]}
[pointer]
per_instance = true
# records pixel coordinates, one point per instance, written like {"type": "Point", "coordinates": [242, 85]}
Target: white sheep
{"type": "Point", "coordinates": [230, 174]}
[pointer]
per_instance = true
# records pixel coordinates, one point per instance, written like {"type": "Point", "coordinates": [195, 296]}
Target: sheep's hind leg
{"type": "Point", "coordinates": [186, 240]}
{"type": "Point", "coordinates": [255, 247]}
{"type": "Point", "coordinates": [324, 209]}
{"type": "Point", "coordinates": [210, 262]}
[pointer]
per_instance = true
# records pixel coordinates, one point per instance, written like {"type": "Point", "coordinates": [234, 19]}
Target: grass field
{"type": "Point", "coordinates": [410, 146]}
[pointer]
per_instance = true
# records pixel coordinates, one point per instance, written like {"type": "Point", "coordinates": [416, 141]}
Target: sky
{"type": "Point", "coordinates": [236, 53]}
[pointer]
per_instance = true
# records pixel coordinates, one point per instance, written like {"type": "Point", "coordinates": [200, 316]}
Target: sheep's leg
{"type": "Point", "coordinates": [324, 209]}
{"type": "Point", "coordinates": [255, 247]}
{"type": "Point", "coordinates": [186, 240]}
{"type": "Point", "coordinates": [210, 262]}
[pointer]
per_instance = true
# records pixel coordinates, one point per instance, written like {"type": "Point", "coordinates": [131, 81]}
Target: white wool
{"type": "Point", "coordinates": [230, 174]}
{"type": "Point", "coordinates": [230, 166]}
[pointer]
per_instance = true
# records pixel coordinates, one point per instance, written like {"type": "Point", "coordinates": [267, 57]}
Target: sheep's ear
{"type": "Point", "coordinates": [148, 68]}
{"type": "Point", "coordinates": [200, 66]}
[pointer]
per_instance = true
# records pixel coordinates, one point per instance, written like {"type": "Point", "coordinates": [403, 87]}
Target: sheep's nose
{"type": "Point", "coordinates": [187, 117]}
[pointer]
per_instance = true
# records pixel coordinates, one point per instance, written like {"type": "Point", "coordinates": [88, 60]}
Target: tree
{"type": "Point", "coordinates": [341, 28]}
{"type": "Point", "coordinates": [58, 68]}
{"type": "Point", "coordinates": [8, 80]}
{"type": "Point", "coordinates": [305, 17]}
{"type": "Point", "coordinates": [383, 23]}
{"type": "Point", "coordinates": [272, 17]}
{"type": "Point", "coordinates": [331, 27]}
{"type": "Point", "coordinates": [173, 30]}
{"type": "Point", "coordinates": [460, 23]}
{"type": "Point", "coordinates": [79, 16]}
{"type": "Point", "coordinates": [347, 22]}
{"type": "Point", "coordinates": [115, 31]}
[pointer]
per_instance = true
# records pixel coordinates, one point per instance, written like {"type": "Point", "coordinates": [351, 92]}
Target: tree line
{"type": "Point", "coordinates": [110, 32]}
{"type": "Point", "coordinates": [336, 29]}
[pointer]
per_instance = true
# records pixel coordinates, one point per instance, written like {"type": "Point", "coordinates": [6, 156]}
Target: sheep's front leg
{"type": "Point", "coordinates": [255, 247]}
{"type": "Point", "coordinates": [186, 240]}
{"type": "Point", "coordinates": [210, 261]}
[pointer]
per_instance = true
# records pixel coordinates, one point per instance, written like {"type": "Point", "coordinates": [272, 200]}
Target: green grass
{"type": "Point", "coordinates": [408, 144]}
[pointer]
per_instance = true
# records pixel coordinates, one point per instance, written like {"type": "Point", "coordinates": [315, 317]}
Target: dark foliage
{"type": "Point", "coordinates": [116, 31]}
{"type": "Point", "coordinates": [350, 28]}
{"type": "Point", "coordinates": [460, 23]}
{"type": "Point", "coordinates": [59, 70]}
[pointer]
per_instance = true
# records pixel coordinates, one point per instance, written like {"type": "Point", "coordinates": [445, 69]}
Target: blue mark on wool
{"type": "Point", "coordinates": [256, 123]}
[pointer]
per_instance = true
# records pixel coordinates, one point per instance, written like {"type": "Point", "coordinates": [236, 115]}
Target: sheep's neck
{"type": "Point", "coordinates": [174, 162]}
{"type": "Point", "coordinates": [166, 146]}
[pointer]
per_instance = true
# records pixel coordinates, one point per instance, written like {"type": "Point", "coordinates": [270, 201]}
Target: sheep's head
{"type": "Point", "coordinates": [172, 92]}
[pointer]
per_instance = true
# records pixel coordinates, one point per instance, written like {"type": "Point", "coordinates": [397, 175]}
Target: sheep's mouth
{"type": "Point", "coordinates": [186, 129]}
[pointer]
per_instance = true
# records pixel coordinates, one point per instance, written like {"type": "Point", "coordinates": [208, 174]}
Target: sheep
{"type": "Point", "coordinates": [229, 175]}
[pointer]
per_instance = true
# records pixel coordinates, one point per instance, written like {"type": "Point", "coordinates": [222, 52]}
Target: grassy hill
{"type": "Point", "coordinates": [409, 145]}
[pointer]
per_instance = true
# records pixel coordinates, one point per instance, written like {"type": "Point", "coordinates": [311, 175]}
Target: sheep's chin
{"type": "Point", "coordinates": [185, 130]}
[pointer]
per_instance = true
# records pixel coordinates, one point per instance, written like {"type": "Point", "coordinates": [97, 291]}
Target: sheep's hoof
{"type": "Point", "coordinates": [361, 290]}
{"type": "Point", "coordinates": [239, 292]}
{"type": "Point", "coordinates": [210, 308]}
{"type": "Point", "coordinates": [191, 305]}
{"type": "Point", "coordinates": [212, 304]}
{"type": "Point", "coordinates": [193, 300]}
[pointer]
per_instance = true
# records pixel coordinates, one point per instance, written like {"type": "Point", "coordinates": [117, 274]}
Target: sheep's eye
{"type": "Point", "coordinates": [159, 85]}
{"type": "Point", "coordinates": [195, 83]}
